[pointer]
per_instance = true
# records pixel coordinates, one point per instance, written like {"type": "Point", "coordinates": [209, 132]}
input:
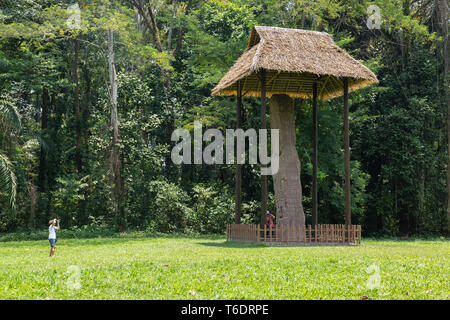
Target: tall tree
{"type": "Point", "coordinates": [78, 159]}
{"type": "Point", "coordinates": [116, 164]}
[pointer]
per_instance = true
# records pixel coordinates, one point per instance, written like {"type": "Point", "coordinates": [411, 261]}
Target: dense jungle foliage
{"type": "Point", "coordinates": [66, 153]}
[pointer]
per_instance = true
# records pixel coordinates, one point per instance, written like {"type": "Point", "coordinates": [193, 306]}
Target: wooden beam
{"type": "Point", "coordinates": [272, 81]}
{"type": "Point", "coordinates": [238, 172]}
{"type": "Point", "coordinates": [245, 93]}
{"type": "Point", "coordinates": [315, 152]}
{"type": "Point", "coordinates": [263, 126]}
{"type": "Point", "coordinates": [322, 89]}
{"type": "Point", "coordinates": [348, 217]}
{"type": "Point", "coordinates": [245, 81]}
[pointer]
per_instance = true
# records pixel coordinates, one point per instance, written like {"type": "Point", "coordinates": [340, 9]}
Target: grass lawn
{"type": "Point", "coordinates": [201, 268]}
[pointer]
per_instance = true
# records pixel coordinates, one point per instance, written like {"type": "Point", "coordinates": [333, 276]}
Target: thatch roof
{"type": "Point", "coordinates": [294, 59]}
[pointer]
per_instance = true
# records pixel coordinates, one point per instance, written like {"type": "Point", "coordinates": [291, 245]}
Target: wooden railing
{"type": "Point", "coordinates": [322, 234]}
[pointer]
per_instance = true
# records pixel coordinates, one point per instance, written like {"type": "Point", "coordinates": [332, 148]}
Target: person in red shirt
{"type": "Point", "coordinates": [270, 218]}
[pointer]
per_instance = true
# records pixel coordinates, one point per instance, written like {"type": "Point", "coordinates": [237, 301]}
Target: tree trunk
{"type": "Point", "coordinates": [263, 126]}
{"type": "Point", "coordinates": [405, 37]}
{"type": "Point", "coordinates": [33, 201]}
{"type": "Point", "coordinates": [42, 176]}
{"type": "Point", "coordinates": [287, 185]}
{"type": "Point", "coordinates": [179, 45]}
{"type": "Point", "coordinates": [348, 205]}
{"type": "Point", "coordinates": [42, 182]}
{"type": "Point", "coordinates": [315, 156]}
{"type": "Point", "coordinates": [302, 23]}
{"type": "Point", "coordinates": [87, 109]}
{"type": "Point", "coordinates": [421, 197]}
{"type": "Point", "coordinates": [78, 159]}
{"type": "Point", "coordinates": [238, 172]}
{"type": "Point", "coordinates": [115, 156]}
{"type": "Point", "coordinates": [155, 29]}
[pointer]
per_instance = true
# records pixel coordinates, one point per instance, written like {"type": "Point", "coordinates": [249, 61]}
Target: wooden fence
{"type": "Point", "coordinates": [322, 234]}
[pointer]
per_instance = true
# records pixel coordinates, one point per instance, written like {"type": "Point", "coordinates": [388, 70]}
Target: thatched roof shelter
{"type": "Point", "coordinates": [299, 64]}
{"type": "Point", "coordinates": [294, 60]}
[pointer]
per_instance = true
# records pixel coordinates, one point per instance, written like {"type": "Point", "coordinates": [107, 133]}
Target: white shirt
{"type": "Point", "coordinates": [52, 232]}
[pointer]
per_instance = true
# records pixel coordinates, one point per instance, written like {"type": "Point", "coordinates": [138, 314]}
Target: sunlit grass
{"type": "Point", "coordinates": [187, 268]}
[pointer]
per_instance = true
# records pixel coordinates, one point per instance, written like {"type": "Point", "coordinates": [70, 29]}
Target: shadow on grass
{"type": "Point", "coordinates": [62, 242]}
{"type": "Point", "coordinates": [233, 244]}
{"type": "Point", "coordinates": [71, 240]}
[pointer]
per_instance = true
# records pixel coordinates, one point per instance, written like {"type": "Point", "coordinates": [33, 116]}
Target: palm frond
{"type": "Point", "coordinates": [8, 182]}
{"type": "Point", "coordinates": [9, 110]}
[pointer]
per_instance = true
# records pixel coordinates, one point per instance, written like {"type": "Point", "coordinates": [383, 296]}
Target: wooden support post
{"type": "Point", "coordinates": [265, 233]}
{"type": "Point", "coordinates": [293, 237]}
{"type": "Point", "coordinates": [331, 233]}
{"type": "Point", "coordinates": [289, 238]}
{"type": "Point", "coordinates": [288, 233]}
{"type": "Point", "coordinates": [348, 219]}
{"type": "Point", "coordinates": [263, 126]}
{"type": "Point", "coordinates": [315, 152]}
{"type": "Point", "coordinates": [343, 233]}
{"type": "Point", "coordinates": [319, 235]}
{"type": "Point", "coordinates": [238, 172]}
{"type": "Point", "coordinates": [293, 233]}
{"type": "Point", "coordinates": [354, 234]}
{"type": "Point", "coordinates": [335, 236]}
{"type": "Point", "coordinates": [309, 233]}
{"type": "Point", "coordinates": [359, 234]}
{"type": "Point", "coordinates": [349, 237]}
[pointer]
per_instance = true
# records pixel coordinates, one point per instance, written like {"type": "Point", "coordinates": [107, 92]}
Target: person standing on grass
{"type": "Point", "coordinates": [54, 225]}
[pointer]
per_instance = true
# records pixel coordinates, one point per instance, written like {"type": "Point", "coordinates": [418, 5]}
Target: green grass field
{"type": "Point", "coordinates": [204, 268]}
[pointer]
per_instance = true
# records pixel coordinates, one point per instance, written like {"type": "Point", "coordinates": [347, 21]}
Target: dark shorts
{"type": "Point", "coordinates": [53, 242]}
